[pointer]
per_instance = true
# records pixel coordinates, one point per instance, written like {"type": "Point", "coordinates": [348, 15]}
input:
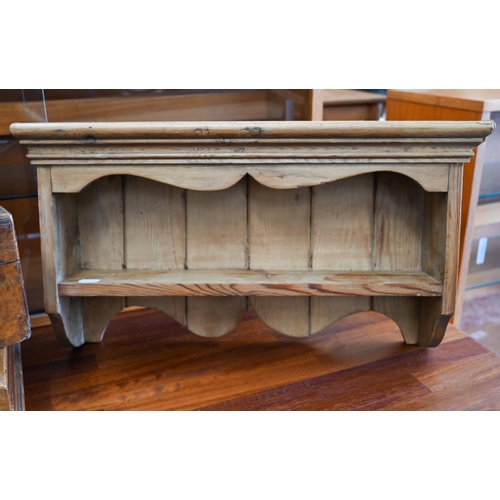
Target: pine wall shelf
{"type": "Point", "coordinates": [307, 222]}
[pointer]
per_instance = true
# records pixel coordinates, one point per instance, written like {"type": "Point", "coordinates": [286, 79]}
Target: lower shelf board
{"type": "Point", "coordinates": [191, 282]}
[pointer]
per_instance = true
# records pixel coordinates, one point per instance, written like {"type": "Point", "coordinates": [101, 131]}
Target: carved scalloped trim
{"type": "Point", "coordinates": [202, 178]}
{"type": "Point", "coordinates": [435, 325]}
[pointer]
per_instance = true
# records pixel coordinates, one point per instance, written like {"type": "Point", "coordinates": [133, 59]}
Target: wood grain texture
{"type": "Point", "coordinates": [9, 251]}
{"type": "Point", "coordinates": [278, 228]}
{"type": "Point", "coordinates": [277, 175]}
{"type": "Point", "coordinates": [462, 99]}
{"type": "Point", "coordinates": [148, 362]}
{"type": "Point", "coordinates": [454, 104]}
{"type": "Point", "coordinates": [14, 317]}
{"type": "Point", "coordinates": [154, 225]}
{"type": "Point", "coordinates": [279, 238]}
{"type": "Point", "coordinates": [260, 241]}
{"type": "Point", "coordinates": [218, 282]}
{"type": "Point", "coordinates": [216, 228]}
{"type": "Point", "coordinates": [88, 132]}
{"type": "Point", "coordinates": [342, 224]}
{"type": "Point", "coordinates": [100, 210]}
{"type": "Point", "coordinates": [216, 238]}
{"type": "Point", "coordinates": [11, 379]}
{"type": "Point", "coordinates": [398, 223]}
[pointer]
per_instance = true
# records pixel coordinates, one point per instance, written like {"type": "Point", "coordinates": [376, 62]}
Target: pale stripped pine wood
{"type": "Point", "coordinates": [215, 316]}
{"type": "Point", "coordinates": [342, 224]}
{"type": "Point", "coordinates": [287, 315]}
{"type": "Point", "coordinates": [280, 232]}
{"type": "Point", "coordinates": [433, 235]}
{"type": "Point", "coordinates": [208, 177]}
{"type": "Point", "coordinates": [404, 311]}
{"type": "Point", "coordinates": [452, 240]}
{"type": "Point", "coordinates": [100, 209]}
{"type": "Point", "coordinates": [58, 233]}
{"type": "Point", "coordinates": [279, 227]}
{"type": "Point", "coordinates": [427, 131]}
{"type": "Point", "coordinates": [326, 310]}
{"type": "Point", "coordinates": [279, 238]}
{"type": "Point", "coordinates": [342, 235]}
{"type": "Point", "coordinates": [216, 238]}
{"type": "Point", "coordinates": [398, 214]}
{"type": "Point", "coordinates": [155, 223]}
{"type": "Point", "coordinates": [221, 282]}
{"type": "Point", "coordinates": [216, 230]}
{"type": "Point", "coordinates": [397, 244]}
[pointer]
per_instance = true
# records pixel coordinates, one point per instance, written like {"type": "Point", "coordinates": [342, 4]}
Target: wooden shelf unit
{"type": "Point", "coordinates": [307, 222]}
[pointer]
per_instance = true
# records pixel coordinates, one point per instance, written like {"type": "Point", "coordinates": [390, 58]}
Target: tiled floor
{"type": "Point", "coordinates": [481, 320]}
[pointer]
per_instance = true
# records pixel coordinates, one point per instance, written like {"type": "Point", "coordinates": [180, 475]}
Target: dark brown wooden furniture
{"type": "Point", "coordinates": [14, 317]}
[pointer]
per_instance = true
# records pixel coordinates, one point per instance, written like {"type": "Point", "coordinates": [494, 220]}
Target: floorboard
{"type": "Point", "coordinates": [149, 362]}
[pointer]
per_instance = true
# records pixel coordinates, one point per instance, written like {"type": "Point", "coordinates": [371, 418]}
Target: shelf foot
{"type": "Point", "coordinates": [420, 319]}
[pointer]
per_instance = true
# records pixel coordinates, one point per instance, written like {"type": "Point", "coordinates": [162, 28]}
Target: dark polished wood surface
{"type": "Point", "coordinates": [149, 362]}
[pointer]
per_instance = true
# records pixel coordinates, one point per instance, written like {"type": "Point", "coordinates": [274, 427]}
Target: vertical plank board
{"type": "Point", "coordinates": [154, 225]}
{"type": "Point", "coordinates": [101, 224]}
{"type": "Point", "coordinates": [342, 224]}
{"type": "Point", "coordinates": [398, 228]}
{"type": "Point", "coordinates": [216, 238]}
{"type": "Point", "coordinates": [341, 239]}
{"type": "Point", "coordinates": [216, 230]}
{"type": "Point", "coordinates": [279, 227]}
{"type": "Point", "coordinates": [279, 238]}
{"type": "Point", "coordinates": [101, 246]}
{"type": "Point", "coordinates": [398, 244]}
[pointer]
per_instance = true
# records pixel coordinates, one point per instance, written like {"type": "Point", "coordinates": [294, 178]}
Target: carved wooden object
{"type": "Point", "coordinates": [306, 221]}
{"type": "Point", "coordinates": [14, 317]}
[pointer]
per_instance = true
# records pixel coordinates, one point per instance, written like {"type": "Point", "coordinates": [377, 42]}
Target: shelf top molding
{"type": "Point", "coordinates": [143, 143]}
{"type": "Point", "coordinates": [90, 132]}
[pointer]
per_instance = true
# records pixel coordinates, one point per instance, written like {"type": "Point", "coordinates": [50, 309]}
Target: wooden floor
{"type": "Point", "coordinates": [148, 362]}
